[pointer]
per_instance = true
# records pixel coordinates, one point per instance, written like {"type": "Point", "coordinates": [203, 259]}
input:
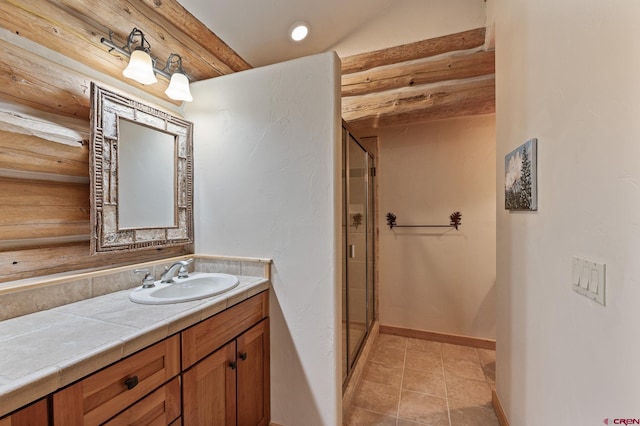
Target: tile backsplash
{"type": "Point", "coordinates": [61, 291]}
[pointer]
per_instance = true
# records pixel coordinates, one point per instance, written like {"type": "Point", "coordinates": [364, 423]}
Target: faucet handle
{"type": "Point", "coordinates": [183, 272]}
{"type": "Point", "coordinates": [148, 281]}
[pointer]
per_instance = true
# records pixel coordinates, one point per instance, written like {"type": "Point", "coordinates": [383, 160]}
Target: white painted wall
{"type": "Point", "coordinates": [267, 184]}
{"type": "Point", "coordinates": [568, 74]}
{"type": "Point", "coordinates": [413, 20]}
{"type": "Point", "coordinates": [438, 279]}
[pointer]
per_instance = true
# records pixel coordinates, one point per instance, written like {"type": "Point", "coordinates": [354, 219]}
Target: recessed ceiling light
{"type": "Point", "coordinates": [299, 31]}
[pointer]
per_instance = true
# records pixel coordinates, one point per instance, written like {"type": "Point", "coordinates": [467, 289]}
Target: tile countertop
{"type": "Point", "coordinates": [47, 350]}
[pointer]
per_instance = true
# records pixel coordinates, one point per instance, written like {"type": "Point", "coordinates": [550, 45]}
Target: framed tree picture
{"type": "Point", "coordinates": [520, 177]}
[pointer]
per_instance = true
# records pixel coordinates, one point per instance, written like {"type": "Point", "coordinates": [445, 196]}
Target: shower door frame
{"type": "Point", "coordinates": [370, 226]}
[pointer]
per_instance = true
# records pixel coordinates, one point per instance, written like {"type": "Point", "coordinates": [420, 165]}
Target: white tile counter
{"type": "Point", "coordinates": [47, 350]}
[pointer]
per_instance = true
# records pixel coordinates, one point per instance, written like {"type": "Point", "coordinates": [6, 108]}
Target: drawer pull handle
{"type": "Point", "coordinates": [233, 365]}
{"type": "Point", "coordinates": [243, 356]}
{"type": "Point", "coordinates": [131, 382]}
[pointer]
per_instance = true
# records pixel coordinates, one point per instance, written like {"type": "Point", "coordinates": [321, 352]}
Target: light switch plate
{"type": "Point", "coordinates": [588, 279]}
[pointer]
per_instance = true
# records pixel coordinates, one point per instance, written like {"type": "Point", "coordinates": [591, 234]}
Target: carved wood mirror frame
{"type": "Point", "coordinates": [107, 108]}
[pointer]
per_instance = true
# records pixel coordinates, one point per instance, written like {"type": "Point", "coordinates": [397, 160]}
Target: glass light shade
{"type": "Point", "coordinates": [140, 68]}
{"type": "Point", "coordinates": [179, 88]}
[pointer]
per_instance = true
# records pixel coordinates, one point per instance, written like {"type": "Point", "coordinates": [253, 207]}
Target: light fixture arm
{"type": "Point", "coordinates": [174, 61]}
{"type": "Point", "coordinates": [112, 46]}
{"type": "Point", "coordinates": [131, 40]}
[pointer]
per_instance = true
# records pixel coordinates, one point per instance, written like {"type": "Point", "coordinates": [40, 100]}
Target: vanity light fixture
{"type": "Point", "coordinates": [179, 85]}
{"type": "Point", "coordinates": [142, 68]}
{"type": "Point", "coordinates": [299, 31]}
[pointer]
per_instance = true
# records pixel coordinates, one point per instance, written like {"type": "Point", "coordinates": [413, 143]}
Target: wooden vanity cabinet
{"type": "Point", "coordinates": [100, 396]}
{"type": "Point", "coordinates": [215, 372]}
{"type": "Point", "coordinates": [36, 414]}
{"type": "Point", "coordinates": [228, 385]}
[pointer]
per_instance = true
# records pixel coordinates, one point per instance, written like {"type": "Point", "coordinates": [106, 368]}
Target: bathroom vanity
{"type": "Point", "coordinates": [96, 357]}
{"type": "Point", "coordinates": [199, 362]}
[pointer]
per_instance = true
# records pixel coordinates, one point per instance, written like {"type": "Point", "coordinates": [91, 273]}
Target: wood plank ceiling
{"type": "Point", "coordinates": [437, 78]}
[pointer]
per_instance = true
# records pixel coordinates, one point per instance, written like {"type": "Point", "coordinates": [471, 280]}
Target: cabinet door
{"type": "Point", "coordinates": [209, 390]}
{"type": "Point", "coordinates": [35, 414]}
{"type": "Point", "coordinates": [253, 376]}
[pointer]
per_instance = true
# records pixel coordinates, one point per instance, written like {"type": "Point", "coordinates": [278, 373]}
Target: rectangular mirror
{"type": "Point", "coordinates": [141, 175]}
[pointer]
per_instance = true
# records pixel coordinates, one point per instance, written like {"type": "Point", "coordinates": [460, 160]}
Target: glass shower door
{"type": "Point", "coordinates": [357, 225]}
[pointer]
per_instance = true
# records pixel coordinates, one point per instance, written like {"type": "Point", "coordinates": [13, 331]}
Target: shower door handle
{"type": "Point", "coordinates": [352, 251]}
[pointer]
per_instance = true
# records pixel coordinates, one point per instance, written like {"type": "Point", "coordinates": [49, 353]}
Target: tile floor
{"type": "Point", "coordinates": [418, 382]}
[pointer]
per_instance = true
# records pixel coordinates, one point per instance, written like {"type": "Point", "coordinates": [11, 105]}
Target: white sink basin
{"type": "Point", "coordinates": [196, 286]}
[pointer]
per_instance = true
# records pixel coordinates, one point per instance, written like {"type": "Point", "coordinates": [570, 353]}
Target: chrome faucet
{"type": "Point", "coordinates": [169, 273]}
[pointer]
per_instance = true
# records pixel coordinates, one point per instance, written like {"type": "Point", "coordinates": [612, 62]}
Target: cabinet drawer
{"type": "Point", "coordinates": [102, 395]}
{"type": "Point", "coordinates": [207, 336]}
{"type": "Point", "coordinates": [160, 408]}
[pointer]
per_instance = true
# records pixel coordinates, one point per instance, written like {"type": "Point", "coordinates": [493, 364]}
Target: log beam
{"type": "Point", "coordinates": [409, 83]}
{"type": "Point", "coordinates": [41, 209]}
{"type": "Point", "coordinates": [411, 51]}
{"type": "Point", "coordinates": [31, 154]}
{"type": "Point", "coordinates": [29, 79]}
{"type": "Point", "coordinates": [36, 261]}
{"type": "Point", "coordinates": [452, 67]}
{"type": "Point", "coordinates": [430, 102]}
{"type": "Point", "coordinates": [56, 128]}
{"type": "Point", "coordinates": [174, 12]}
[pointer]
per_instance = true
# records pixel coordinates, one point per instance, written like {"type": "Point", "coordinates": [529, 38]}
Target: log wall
{"type": "Point", "coordinates": [44, 118]}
